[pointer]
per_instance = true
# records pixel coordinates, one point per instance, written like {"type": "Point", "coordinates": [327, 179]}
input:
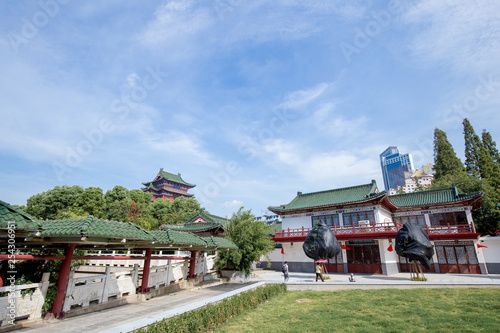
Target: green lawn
{"type": "Point", "coordinates": [381, 310]}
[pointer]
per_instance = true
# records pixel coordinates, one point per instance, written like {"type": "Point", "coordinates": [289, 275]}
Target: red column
{"type": "Point", "coordinates": [3, 273]}
{"type": "Point", "coordinates": [62, 281]}
{"type": "Point", "coordinates": [145, 272]}
{"type": "Point", "coordinates": [192, 264]}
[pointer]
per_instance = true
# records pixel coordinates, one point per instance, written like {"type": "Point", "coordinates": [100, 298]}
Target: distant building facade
{"type": "Point", "coordinates": [169, 186]}
{"type": "Point", "coordinates": [420, 179]}
{"type": "Point", "coordinates": [394, 165]}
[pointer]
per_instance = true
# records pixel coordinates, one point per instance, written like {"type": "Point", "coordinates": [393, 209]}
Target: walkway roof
{"type": "Point", "coordinates": [94, 233]}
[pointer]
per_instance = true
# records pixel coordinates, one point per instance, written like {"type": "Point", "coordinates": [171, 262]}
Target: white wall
{"type": "Point", "coordinates": [296, 222]}
{"type": "Point", "coordinates": [491, 253]}
{"type": "Point", "coordinates": [383, 216]}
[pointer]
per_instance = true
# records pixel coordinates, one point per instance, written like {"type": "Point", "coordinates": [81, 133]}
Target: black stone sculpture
{"type": "Point", "coordinates": [321, 243]}
{"type": "Point", "coordinates": [413, 243]}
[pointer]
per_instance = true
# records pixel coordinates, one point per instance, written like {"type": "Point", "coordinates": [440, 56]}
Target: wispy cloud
{"type": "Point", "coordinates": [461, 34]}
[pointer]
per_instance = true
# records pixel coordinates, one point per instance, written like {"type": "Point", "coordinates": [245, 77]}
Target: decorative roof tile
{"type": "Point", "coordinates": [177, 238]}
{"type": "Point", "coordinates": [439, 196]}
{"type": "Point", "coordinates": [94, 227]}
{"type": "Point", "coordinates": [341, 196]}
{"type": "Point", "coordinates": [220, 243]}
{"type": "Point", "coordinates": [22, 220]}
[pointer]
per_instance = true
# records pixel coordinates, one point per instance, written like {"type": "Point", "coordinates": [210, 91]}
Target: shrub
{"type": "Point", "coordinates": [211, 316]}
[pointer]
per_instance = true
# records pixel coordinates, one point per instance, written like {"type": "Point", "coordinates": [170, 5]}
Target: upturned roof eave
{"type": "Point", "coordinates": [279, 211]}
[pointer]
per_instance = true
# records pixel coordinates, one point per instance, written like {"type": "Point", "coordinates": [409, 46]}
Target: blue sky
{"type": "Point", "coordinates": [250, 101]}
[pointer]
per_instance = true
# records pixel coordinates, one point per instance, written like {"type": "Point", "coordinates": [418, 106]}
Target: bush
{"type": "Point", "coordinates": [211, 316]}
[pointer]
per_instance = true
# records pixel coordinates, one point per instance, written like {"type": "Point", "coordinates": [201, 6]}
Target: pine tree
{"type": "Point", "coordinates": [473, 147]}
{"type": "Point", "coordinates": [445, 158]}
{"type": "Point", "coordinates": [489, 170]}
{"type": "Point", "coordinates": [491, 146]}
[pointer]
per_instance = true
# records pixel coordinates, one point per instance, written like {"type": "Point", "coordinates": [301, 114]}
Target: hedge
{"type": "Point", "coordinates": [211, 316]}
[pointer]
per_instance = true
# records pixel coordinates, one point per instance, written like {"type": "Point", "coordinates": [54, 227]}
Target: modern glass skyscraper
{"type": "Point", "coordinates": [394, 165]}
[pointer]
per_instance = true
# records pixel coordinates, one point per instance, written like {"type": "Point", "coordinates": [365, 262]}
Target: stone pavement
{"type": "Point", "coordinates": [128, 317]}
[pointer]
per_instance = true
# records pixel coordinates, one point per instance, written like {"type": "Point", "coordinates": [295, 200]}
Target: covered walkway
{"type": "Point", "coordinates": [22, 237]}
{"type": "Point", "coordinates": [132, 316]}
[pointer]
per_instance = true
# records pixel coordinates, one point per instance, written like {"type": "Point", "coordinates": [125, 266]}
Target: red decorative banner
{"type": "Point", "coordinates": [282, 250]}
{"type": "Point", "coordinates": [479, 246]}
{"type": "Point", "coordinates": [390, 249]}
{"type": "Point", "coordinates": [345, 247]}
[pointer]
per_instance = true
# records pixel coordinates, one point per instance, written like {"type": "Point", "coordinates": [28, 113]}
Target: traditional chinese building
{"type": "Point", "coordinates": [202, 224]}
{"type": "Point", "coordinates": [167, 185]}
{"type": "Point", "coordinates": [366, 221]}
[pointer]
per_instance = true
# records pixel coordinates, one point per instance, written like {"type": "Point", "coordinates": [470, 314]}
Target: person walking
{"type": "Point", "coordinates": [284, 269]}
{"type": "Point", "coordinates": [319, 272]}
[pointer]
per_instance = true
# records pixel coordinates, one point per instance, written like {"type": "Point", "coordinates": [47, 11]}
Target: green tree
{"type": "Point", "coordinates": [118, 193]}
{"type": "Point", "coordinates": [491, 146]}
{"type": "Point", "coordinates": [445, 158]}
{"type": "Point", "coordinates": [486, 218]}
{"type": "Point", "coordinates": [90, 202]}
{"type": "Point", "coordinates": [159, 210]}
{"type": "Point", "coordinates": [49, 204]}
{"type": "Point", "coordinates": [473, 147]}
{"type": "Point", "coordinates": [253, 239]}
{"type": "Point", "coordinates": [182, 208]}
{"type": "Point", "coordinates": [140, 197]}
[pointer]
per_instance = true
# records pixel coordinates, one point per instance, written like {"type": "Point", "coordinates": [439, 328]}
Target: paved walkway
{"type": "Point", "coordinates": [128, 317]}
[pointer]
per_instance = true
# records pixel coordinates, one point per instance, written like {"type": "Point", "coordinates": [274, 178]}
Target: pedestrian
{"type": "Point", "coordinates": [351, 278]}
{"type": "Point", "coordinates": [284, 269]}
{"type": "Point", "coordinates": [319, 272]}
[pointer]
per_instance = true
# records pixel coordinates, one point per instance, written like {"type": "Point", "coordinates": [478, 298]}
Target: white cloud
{"type": "Point", "coordinates": [463, 34]}
{"type": "Point", "coordinates": [231, 207]}
{"type": "Point", "coordinates": [176, 20]}
{"type": "Point", "coordinates": [301, 98]}
{"type": "Point", "coordinates": [237, 21]}
{"type": "Point", "coordinates": [179, 145]}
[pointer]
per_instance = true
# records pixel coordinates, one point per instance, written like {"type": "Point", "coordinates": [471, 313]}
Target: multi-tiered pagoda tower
{"type": "Point", "coordinates": [167, 185]}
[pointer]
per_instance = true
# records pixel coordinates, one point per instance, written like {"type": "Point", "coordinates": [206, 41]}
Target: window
{"type": "Point", "coordinates": [354, 217]}
{"type": "Point", "coordinates": [416, 219]}
{"type": "Point", "coordinates": [330, 220]}
{"type": "Point", "coordinates": [452, 218]}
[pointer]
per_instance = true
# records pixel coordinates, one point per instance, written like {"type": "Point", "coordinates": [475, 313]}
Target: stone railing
{"type": "Point", "coordinates": [15, 306]}
{"type": "Point", "coordinates": [83, 291]}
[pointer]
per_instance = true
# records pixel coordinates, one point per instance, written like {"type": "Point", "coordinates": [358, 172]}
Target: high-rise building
{"type": "Point", "coordinates": [394, 165]}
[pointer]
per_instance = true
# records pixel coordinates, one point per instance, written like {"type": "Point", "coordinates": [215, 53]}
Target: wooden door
{"type": "Point", "coordinates": [364, 259]}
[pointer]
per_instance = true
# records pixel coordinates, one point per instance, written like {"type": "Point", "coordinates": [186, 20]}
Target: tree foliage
{"type": "Point", "coordinates": [483, 174]}
{"type": "Point", "coordinates": [473, 147]}
{"type": "Point", "coordinates": [119, 204]}
{"type": "Point", "coordinates": [491, 146]}
{"type": "Point", "coordinates": [445, 158]}
{"type": "Point", "coordinates": [253, 239]}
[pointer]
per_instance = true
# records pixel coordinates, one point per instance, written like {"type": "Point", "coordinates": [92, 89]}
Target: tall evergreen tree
{"type": "Point", "coordinates": [473, 147]}
{"type": "Point", "coordinates": [445, 158]}
{"type": "Point", "coordinates": [490, 146]}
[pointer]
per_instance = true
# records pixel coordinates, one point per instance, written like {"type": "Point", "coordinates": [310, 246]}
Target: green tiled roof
{"type": "Point", "coordinates": [211, 222]}
{"type": "Point", "coordinates": [334, 197]}
{"type": "Point", "coordinates": [94, 227]}
{"type": "Point", "coordinates": [177, 238]}
{"type": "Point", "coordinates": [221, 243]}
{"type": "Point", "coordinates": [193, 227]}
{"type": "Point", "coordinates": [431, 197]}
{"type": "Point", "coordinates": [173, 178]}
{"type": "Point", "coordinates": [209, 219]}
{"type": "Point", "coordinates": [22, 220]}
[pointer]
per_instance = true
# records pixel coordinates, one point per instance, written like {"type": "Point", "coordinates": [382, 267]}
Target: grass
{"type": "Point", "coordinates": [380, 310]}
